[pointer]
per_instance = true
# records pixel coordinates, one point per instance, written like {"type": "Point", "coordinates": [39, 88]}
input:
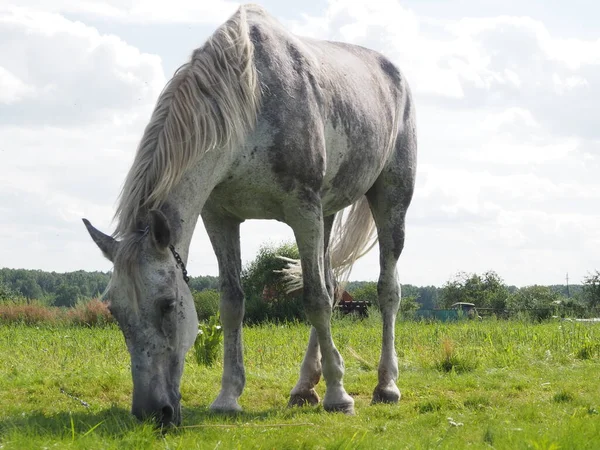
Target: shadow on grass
{"type": "Point", "coordinates": [113, 421]}
{"type": "Point", "coordinates": [201, 416]}
{"type": "Point", "coordinates": [116, 422]}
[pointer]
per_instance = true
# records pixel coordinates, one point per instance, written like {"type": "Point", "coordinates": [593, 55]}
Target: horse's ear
{"type": "Point", "coordinates": [159, 228]}
{"type": "Point", "coordinates": [106, 243]}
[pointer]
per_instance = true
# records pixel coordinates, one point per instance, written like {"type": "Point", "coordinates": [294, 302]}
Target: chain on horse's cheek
{"type": "Point", "coordinates": [180, 264]}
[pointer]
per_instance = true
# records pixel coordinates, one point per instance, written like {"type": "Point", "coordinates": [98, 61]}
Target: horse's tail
{"type": "Point", "coordinates": [353, 235]}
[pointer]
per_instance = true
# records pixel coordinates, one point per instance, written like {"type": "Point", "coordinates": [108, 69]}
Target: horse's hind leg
{"type": "Point", "coordinates": [306, 219]}
{"type": "Point", "coordinates": [310, 372]}
{"type": "Point", "coordinates": [389, 199]}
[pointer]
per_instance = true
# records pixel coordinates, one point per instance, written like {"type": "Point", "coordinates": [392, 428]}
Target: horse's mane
{"type": "Point", "coordinates": [210, 103]}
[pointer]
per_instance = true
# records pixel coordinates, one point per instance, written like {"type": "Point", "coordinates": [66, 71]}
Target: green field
{"type": "Point", "coordinates": [490, 384]}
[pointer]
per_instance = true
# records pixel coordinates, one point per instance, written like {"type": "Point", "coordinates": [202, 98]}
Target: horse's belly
{"type": "Point", "coordinates": [255, 190]}
{"type": "Point", "coordinates": [351, 169]}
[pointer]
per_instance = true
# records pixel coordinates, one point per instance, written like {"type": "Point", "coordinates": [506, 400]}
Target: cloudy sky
{"type": "Point", "coordinates": [507, 96]}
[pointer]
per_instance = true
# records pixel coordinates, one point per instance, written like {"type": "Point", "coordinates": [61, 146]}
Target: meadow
{"type": "Point", "coordinates": [489, 384]}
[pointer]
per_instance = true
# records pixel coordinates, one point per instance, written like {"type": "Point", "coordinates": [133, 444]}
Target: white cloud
{"type": "Point", "coordinates": [509, 148]}
{"type": "Point", "coordinates": [479, 62]}
{"type": "Point", "coordinates": [141, 11]}
{"type": "Point", "coordinates": [12, 89]}
{"type": "Point", "coordinates": [64, 72]}
{"type": "Point", "coordinates": [73, 104]}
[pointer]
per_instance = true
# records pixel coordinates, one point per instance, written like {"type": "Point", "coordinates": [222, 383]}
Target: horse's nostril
{"type": "Point", "coordinates": [167, 414]}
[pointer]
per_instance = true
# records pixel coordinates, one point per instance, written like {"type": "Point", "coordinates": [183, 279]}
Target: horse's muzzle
{"type": "Point", "coordinates": [164, 414]}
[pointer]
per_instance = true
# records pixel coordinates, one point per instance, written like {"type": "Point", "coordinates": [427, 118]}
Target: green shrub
{"type": "Point", "coordinates": [539, 302]}
{"type": "Point", "coordinates": [366, 293]}
{"type": "Point", "coordinates": [6, 293]}
{"type": "Point", "coordinates": [287, 308]}
{"type": "Point", "coordinates": [207, 303]}
{"type": "Point", "coordinates": [563, 397]}
{"type": "Point", "coordinates": [266, 297]}
{"type": "Point", "coordinates": [453, 361]}
{"type": "Point", "coordinates": [587, 350]}
{"type": "Point", "coordinates": [92, 313]}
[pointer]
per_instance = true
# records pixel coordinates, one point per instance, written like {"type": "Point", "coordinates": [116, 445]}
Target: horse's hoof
{"type": "Point", "coordinates": [339, 403]}
{"type": "Point", "coordinates": [225, 407]}
{"type": "Point", "coordinates": [304, 398]}
{"type": "Point", "coordinates": [387, 394]}
{"type": "Point", "coordinates": [346, 408]}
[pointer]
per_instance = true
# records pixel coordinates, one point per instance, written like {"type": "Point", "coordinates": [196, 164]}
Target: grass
{"type": "Point", "coordinates": [496, 384]}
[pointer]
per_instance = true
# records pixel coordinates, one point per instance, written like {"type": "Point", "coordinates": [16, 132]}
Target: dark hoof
{"type": "Point", "coordinates": [309, 398]}
{"type": "Point", "coordinates": [386, 395]}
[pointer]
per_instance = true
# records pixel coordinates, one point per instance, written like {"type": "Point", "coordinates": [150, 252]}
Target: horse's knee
{"type": "Point", "coordinates": [232, 305]}
{"type": "Point", "coordinates": [318, 309]}
{"type": "Point", "coordinates": [388, 292]}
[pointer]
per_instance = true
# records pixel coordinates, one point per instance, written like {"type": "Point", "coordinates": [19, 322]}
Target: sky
{"type": "Point", "coordinates": [507, 96]}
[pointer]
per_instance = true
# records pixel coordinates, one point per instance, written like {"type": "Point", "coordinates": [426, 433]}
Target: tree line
{"type": "Point", "coordinates": [487, 291]}
{"type": "Point", "coordinates": [66, 289]}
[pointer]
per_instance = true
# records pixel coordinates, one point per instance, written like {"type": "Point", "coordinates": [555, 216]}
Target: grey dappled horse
{"type": "Point", "coordinates": [261, 124]}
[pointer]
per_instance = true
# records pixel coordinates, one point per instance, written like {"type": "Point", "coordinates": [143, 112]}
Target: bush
{"type": "Point", "coordinates": [452, 360]}
{"type": "Point", "coordinates": [485, 291]}
{"type": "Point", "coordinates": [207, 303]}
{"type": "Point", "coordinates": [92, 313]}
{"type": "Point", "coordinates": [366, 293]}
{"type": "Point", "coordinates": [288, 308]}
{"type": "Point", "coordinates": [539, 302]}
{"type": "Point", "coordinates": [260, 276]}
{"type": "Point", "coordinates": [29, 313]}
{"type": "Point", "coordinates": [6, 293]}
{"type": "Point", "coordinates": [262, 272]}
{"type": "Point", "coordinates": [408, 307]}
{"type": "Point", "coordinates": [591, 289]}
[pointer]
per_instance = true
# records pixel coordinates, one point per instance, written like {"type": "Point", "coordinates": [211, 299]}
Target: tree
{"type": "Point", "coordinates": [485, 291]}
{"type": "Point", "coordinates": [262, 272]}
{"type": "Point", "coordinates": [67, 295]}
{"type": "Point", "coordinates": [425, 296]}
{"type": "Point", "coordinates": [6, 293]}
{"type": "Point", "coordinates": [591, 289]}
{"type": "Point", "coordinates": [207, 303]}
{"type": "Point", "coordinates": [264, 288]}
{"type": "Point", "coordinates": [29, 288]}
{"type": "Point", "coordinates": [538, 301]}
{"type": "Point", "coordinates": [408, 305]}
{"type": "Point", "coordinates": [203, 283]}
{"type": "Point", "coordinates": [39, 285]}
{"type": "Point", "coordinates": [366, 293]}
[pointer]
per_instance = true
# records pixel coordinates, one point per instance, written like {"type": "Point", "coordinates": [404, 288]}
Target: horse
{"type": "Point", "coordinates": [261, 124]}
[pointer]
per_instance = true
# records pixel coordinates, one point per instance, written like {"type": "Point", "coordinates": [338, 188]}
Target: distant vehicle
{"type": "Point", "coordinates": [468, 309]}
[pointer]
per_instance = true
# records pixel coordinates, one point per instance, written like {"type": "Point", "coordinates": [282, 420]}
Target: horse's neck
{"type": "Point", "coordinates": [186, 200]}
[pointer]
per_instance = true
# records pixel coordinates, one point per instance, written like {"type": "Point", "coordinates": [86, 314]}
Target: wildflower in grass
{"type": "Point", "coordinates": [452, 423]}
{"type": "Point", "coordinates": [208, 341]}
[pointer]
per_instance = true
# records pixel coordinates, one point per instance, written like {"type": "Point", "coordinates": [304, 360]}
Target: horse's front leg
{"type": "Point", "coordinates": [308, 225]}
{"type": "Point", "coordinates": [304, 392]}
{"type": "Point", "coordinates": [224, 234]}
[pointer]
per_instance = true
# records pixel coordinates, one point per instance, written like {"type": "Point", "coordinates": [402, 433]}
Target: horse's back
{"type": "Point", "coordinates": [330, 113]}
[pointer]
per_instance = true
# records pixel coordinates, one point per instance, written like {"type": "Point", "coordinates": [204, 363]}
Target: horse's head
{"type": "Point", "coordinates": [155, 310]}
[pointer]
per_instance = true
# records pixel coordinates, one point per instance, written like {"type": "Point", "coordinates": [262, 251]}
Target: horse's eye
{"type": "Point", "coordinates": [167, 306]}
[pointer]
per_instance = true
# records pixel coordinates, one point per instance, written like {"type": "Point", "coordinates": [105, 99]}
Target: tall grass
{"type": "Point", "coordinates": [520, 385]}
{"type": "Point", "coordinates": [85, 313]}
